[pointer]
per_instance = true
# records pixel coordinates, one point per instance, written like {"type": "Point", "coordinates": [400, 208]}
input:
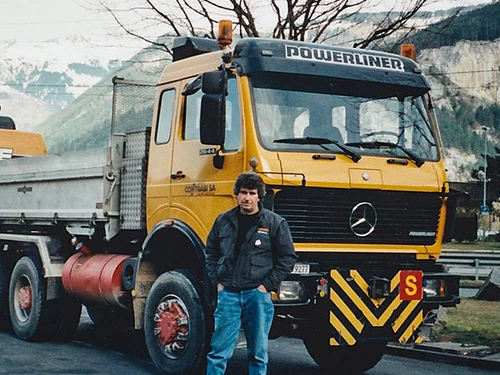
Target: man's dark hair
{"type": "Point", "coordinates": [250, 180]}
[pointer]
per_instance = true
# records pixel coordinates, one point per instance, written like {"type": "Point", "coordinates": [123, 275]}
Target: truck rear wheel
{"type": "Point", "coordinates": [27, 300]}
{"type": "Point", "coordinates": [350, 360]}
{"type": "Point", "coordinates": [175, 325]}
{"type": "Point", "coordinates": [34, 318]}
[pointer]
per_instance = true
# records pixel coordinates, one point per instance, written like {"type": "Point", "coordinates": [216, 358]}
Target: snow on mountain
{"type": "Point", "coordinates": [24, 109]}
{"type": "Point", "coordinates": [54, 72]}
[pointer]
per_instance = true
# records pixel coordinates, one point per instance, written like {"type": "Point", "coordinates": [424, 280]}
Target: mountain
{"type": "Point", "coordinates": [465, 81]}
{"type": "Point", "coordinates": [462, 68]}
{"type": "Point", "coordinates": [34, 111]}
{"type": "Point", "coordinates": [461, 62]}
{"type": "Point", "coordinates": [86, 122]}
{"type": "Point", "coordinates": [76, 126]}
{"type": "Point", "coordinates": [52, 73]}
{"type": "Point", "coordinates": [471, 24]}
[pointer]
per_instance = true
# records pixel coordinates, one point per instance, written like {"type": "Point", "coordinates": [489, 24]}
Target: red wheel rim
{"type": "Point", "coordinates": [23, 298]}
{"type": "Point", "coordinates": [172, 326]}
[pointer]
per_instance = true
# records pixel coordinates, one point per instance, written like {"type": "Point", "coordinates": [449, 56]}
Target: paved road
{"type": "Point", "coordinates": [95, 353]}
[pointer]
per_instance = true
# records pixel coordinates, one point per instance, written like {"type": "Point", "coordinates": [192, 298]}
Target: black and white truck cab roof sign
{"type": "Point", "coordinates": [334, 56]}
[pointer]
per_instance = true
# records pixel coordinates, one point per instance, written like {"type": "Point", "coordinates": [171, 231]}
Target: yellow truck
{"type": "Point", "coordinates": [349, 148]}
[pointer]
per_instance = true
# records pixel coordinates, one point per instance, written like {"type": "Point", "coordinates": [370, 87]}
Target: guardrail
{"type": "Point", "coordinates": [470, 263]}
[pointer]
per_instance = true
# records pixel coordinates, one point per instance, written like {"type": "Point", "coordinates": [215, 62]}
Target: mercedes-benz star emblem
{"type": "Point", "coordinates": [363, 219]}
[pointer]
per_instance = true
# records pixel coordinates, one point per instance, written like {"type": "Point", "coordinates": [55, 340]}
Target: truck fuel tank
{"type": "Point", "coordinates": [96, 279]}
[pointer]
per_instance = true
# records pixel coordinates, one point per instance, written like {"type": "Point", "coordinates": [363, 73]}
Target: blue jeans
{"type": "Point", "coordinates": [252, 309]}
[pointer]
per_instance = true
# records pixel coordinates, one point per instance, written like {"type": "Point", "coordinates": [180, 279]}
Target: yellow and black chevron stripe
{"type": "Point", "coordinates": [354, 315]}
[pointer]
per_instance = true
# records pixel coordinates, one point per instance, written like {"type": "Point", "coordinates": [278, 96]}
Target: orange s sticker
{"type": "Point", "coordinates": [411, 285]}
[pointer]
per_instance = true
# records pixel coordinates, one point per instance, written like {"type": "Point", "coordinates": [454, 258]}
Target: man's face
{"type": "Point", "coordinates": [248, 200]}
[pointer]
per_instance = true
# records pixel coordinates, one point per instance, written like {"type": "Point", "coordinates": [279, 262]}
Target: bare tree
{"type": "Point", "coordinates": [304, 20]}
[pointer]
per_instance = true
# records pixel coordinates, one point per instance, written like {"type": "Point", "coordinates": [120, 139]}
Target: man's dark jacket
{"type": "Point", "coordinates": [266, 257]}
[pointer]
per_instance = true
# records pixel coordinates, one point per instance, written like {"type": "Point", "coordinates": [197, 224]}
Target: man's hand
{"type": "Point", "coordinates": [262, 288]}
{"type": "Point", "coordinates": [220, 287]}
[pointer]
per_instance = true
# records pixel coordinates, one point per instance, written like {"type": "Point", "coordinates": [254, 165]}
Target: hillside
{"type": "Point", "coordinates": [86, 122]}
{"type": "Point", "coordinates": [461, 64]}
{"type": "Point", "coordinates": [476, 24]}
{"type": "Point", "coordinates": [465, 81]}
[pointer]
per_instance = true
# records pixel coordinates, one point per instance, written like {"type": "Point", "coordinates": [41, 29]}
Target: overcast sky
{"type": "Point", "coordinates": [35, 20]}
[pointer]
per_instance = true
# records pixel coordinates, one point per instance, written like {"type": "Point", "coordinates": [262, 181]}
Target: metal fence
{"type": "Point", "coordinates": [470, 263]}
{"type": "Point", "coordinates": [133, 103]}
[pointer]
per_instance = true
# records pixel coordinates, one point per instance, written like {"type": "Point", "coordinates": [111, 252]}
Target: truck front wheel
{"type": "Point", "coordinates": [344, 359]}
{"type": "Point", "coordinates": [175, 324]}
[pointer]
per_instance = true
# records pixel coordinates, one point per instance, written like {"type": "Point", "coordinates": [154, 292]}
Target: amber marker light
{"type": "Point", "coordinates": [409, 50]}
{"type": "Point", "coordinates": [225, 33]}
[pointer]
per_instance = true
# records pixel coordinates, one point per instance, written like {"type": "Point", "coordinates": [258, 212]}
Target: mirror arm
{"type": "Point", "coordinates": [218, 160]}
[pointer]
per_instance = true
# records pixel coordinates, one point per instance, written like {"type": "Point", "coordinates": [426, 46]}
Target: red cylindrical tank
{"type": "Point", "coordinates": [95, 279]}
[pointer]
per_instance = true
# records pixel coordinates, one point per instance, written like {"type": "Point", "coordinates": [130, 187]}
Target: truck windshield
{"type": "Point", "coordinates": [367, 118]}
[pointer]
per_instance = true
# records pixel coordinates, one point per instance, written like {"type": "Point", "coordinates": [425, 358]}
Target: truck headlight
{"type": "Point", "coordinates": [290, 291]}
{"type": "Point", "coordinates": [434, 288]}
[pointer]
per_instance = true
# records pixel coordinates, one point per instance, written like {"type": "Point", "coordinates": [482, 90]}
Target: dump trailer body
{"type": "Point", "coordinates": [76, 188]}
{"type": "Point", "coordinates": [83, 190]}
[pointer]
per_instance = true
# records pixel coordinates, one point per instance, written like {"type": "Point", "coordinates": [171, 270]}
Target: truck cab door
{"type": "Point", "coordinates": [200, 191]}
{"type": "Point", "coordinates": [160, 155]}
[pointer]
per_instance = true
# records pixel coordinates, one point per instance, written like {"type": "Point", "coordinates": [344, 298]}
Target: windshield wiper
{"type": "Point", "coordinates": [321, 142]}
{"type": "Point", "coordinates": [375, 144]}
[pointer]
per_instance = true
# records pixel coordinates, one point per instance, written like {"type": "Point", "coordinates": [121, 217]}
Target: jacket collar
{"type": "Point", "coordinates": [233, 216]}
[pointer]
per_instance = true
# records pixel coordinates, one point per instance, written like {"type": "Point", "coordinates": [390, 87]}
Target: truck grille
{"type": "Point", "coordinates": [381, 217]}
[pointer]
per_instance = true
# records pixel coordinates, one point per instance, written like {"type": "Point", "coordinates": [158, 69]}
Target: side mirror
{"type": "Point", "coordinates": [213, 118]}
{"type": "Point", "coordinates": [214, 82]}
{"type": "Point", "coordinates": [213, 108]}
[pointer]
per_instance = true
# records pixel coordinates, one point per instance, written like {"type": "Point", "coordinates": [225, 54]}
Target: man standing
{"type": "Point", "coordinates": [249, 252]}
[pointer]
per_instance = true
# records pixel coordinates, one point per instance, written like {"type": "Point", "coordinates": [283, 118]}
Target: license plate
{"type": "Point", "coordinates": [301, 269]}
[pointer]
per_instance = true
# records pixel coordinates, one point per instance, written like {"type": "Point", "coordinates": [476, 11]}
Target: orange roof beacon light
{"type": "Point", "coordinates": [225, 33]}
{"type": "Point", "coordinates": [409, 50]}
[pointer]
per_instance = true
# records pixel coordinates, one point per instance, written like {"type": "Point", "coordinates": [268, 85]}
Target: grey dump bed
{"type": "Point", "coordinates": [80, 189]}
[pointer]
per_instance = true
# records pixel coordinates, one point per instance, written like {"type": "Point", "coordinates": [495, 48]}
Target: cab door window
{"type": "Point", "coordinates": [165, 117]}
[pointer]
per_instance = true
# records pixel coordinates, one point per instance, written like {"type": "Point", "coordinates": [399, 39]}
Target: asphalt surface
{"type": "Point", "coordinates": [124, 353]}
{"type": "Point", "coordinates": [475, 356]}
{"type": "Point", "coordinates": [96, 353]}
{"type": "Point", "coordinates": [91, 353]}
